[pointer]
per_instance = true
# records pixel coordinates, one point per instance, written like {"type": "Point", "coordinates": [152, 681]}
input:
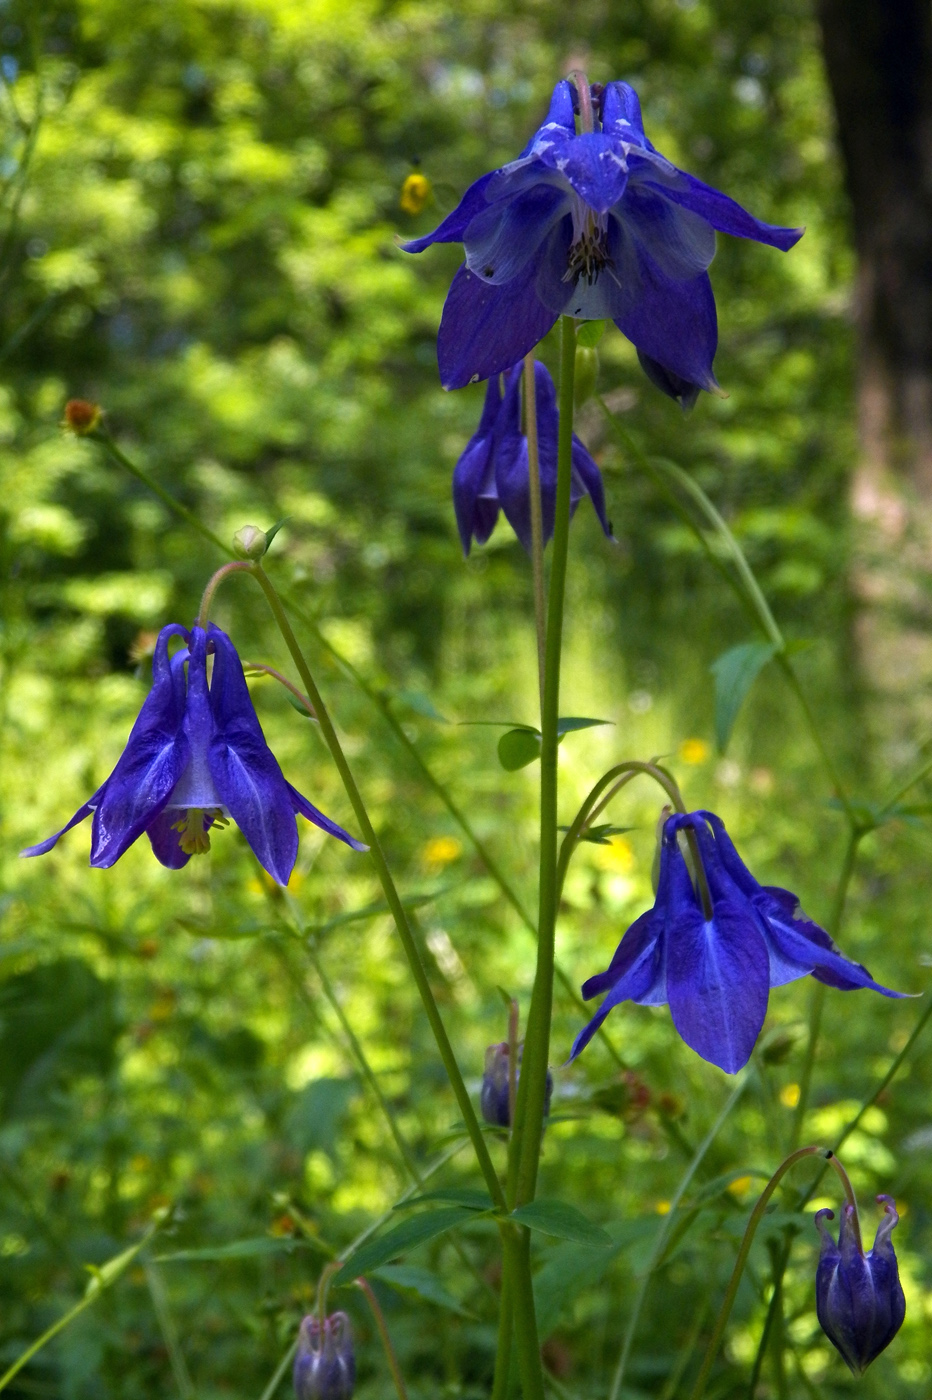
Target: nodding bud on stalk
{"type": "Point", "coordinates": [82, 417]}
{"type": "Point", "coordinates": [493, 1099]}
{"type": "Point", "coordinates": [325, 1366]}
{"type": "Point", "coordinates": [859, 1298]}
{"type": "Point", "coordinates": [250, 542]}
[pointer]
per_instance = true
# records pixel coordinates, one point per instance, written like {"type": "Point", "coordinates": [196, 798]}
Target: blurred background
{"type": "Point", "coordinates": [200, 212]}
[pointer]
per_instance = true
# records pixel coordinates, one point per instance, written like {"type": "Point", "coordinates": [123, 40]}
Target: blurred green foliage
{"type": "Point", "coordinates": [200, 207]}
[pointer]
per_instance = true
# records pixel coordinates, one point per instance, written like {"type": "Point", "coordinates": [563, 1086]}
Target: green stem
{"type": "Point", "coordinates": [389, 889]}
{"type": "Point", "coordinates": [280, 1371]}
{"type": "Point", "coordinates": [260, 667]}
{"type": "Point", "coordinates": [903, 789]}
{"type": "Point", "coordinates": [817, 999]}
{"type": "Point", "coordinates": [503, 1345]}
{"type": "Point", "coordinates": [537, 523]}
{"type": "Point", "coordinates": [103, 1278]}
{"type": "Point", "coordinates": [169, 1331]}
{"type": "Point", "coordinates": [103, 437]}
{"type": "Point", "coordinates": [664, 1233]}
{"type": "Point", "coordinates": [238, 566]}
{"type": "Point", "coordinates": [389, 1350]}
{"type": "Point", "coordinates": [757, 1213]}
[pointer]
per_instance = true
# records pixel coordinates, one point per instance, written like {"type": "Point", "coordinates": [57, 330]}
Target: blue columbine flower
{"type": "Point", "coordinates": [325, 1367]}
{"type": "Point", "coordinates": [599, 226]}
{"type": "Point", "coordinates": [493, 1096]}
{"type": "Point", "coordinates": [859, 1297]}
{"type": "Point", "coordinates": [713, 945]}
{"type": "Point", "coordinates": [493, 472]}
{"type": "Point", "coordinates": [196, 756]}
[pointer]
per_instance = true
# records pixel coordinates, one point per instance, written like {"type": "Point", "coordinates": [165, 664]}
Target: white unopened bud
{"type": "Point", "coordinates": [250, 542]}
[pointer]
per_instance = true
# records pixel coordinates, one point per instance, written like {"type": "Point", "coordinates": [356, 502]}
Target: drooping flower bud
{"type": "Point", "coordinates": [859, 1298]}
{"type": "Point", "coordinates": [325, 1367]}
{"type": "Point", "coordinates": [82, 417]}
{"type": "Point", "coordinates": [250, 542]}
{"type": "Point", "coordinates": [493, 1098]}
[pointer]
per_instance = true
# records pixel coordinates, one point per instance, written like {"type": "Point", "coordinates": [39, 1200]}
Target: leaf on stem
{"type": "Point", "coordinates": [419, 1230]}
{"type": "Point", "coordinates": [466, 1196]}
{"type": "Point", "coordinates": [518, 748]}
{"type": "Point", "coordinates": [409, 1279]}
{"type": "Point", "coordinates": [735, 672]}
{"type": "Point", "coordinates": [562, 1220]}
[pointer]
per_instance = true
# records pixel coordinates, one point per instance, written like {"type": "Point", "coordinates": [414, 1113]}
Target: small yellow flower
{"type": "Point", "coordinates": [441, 850]}
{"type": "Point", "coordinates": [617, 857]}
{"type": "Point", "coordinates": [415, 192]}
{"type": "Point", "coordinates": [789, 1095]}
{"type": "Point", "coordinates": [739, 1185]}
{"type": "Point", "coordinates": [694, 751]}
{"type": "Point", "coordinates": [662, 1207]}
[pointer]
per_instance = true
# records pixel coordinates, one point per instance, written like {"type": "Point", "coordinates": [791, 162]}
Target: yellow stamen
{"type": "Point", "coordinates": [193, 836]}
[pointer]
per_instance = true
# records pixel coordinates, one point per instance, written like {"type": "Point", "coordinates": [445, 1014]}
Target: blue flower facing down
{"type": "Point", "coordinates": [712, 948]}
{"type": "Point", "coordinates": [325, 1367]}
{"type": "Point", "coordinates": [493, 474]}
{"type": "Point", "coordinates": [599, 226]}
{"type": "Point", "coordinates": [196, 756]}
{"type": "Point", "coordinates": [859, 1297]}
{"type": "Point", "coordinates": [493, 1096]}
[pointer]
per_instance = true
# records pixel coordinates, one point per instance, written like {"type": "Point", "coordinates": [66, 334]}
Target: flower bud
{"type": "Point", "coordinates": [493, 1098]}
{"type": "Point", "coordinates": [325, 1368]}
{"type": "Point", "coordinates": [859, 1298]}
{"type": "Point", "coordinates": [82, 417]}
{"type": "Point", "coordinates": [250, 542]}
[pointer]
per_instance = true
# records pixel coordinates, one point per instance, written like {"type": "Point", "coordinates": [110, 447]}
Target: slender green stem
{"type": "Point", "coordinates": [757, 1213]}
{"type": "Point", "coordinates": [389, 889]}
{"type": "Point", "coordinates": [169, 1331]}
{"type": "Point", "coordinates": [817, 996]}
{"type": "Point", "coordinates": [281, 1371]}
{"type": "Point", "coordinates": [102, 1279]}
{"type": "Point", "coordinates": [503, 1346]}
{"type": "Point", "coordinates": [537, 523]}
{"type": "Point", "coordinates": [102, 436]}
{"type": "Point", "coordinates": [664, 1233]}
{"type": "Point", "coordinates": [389, 1350]}
{"type": "Point", "coordinates": [238, 566]}
{"type": "Point", "coordinates": [262, 669]}
{"type": "Point", "coordinates": [903, 789]}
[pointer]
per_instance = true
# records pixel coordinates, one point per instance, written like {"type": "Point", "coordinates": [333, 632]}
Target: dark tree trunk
{"type": "Point", "coordinates": [878, 55]}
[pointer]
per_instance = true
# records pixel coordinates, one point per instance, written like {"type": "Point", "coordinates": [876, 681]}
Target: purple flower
{"type": "Point", "coordinates": [196, 756]}
{"type": "Point", "coordinates": [859, 1298]}
{"type": "Point", "coordinates": [493, 1096]}
{"type": "Point", "coordinates": [598, 226]}
{"type": "Point", "coordinates": [713, 946]}
{"type": "Point", "coordinates": [493, 471]}
{"type": "Point", "coordinates": [325, 1368]}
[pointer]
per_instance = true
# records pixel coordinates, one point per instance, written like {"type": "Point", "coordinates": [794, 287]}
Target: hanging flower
{"type": "Point", "coordinates": [859, 1297]}
{"type": "Point", "coordinates": [325, 1365]}
{"type": "Point", "coordinates": [493, 1096]}
{"type": "Point", "coordinates": [493, 472]}
{"type": "Point", "coordinates": [713, 945]}
{"type": "Point", "coordinates": [196, 758]}
{"type": "Point", "coordinates": [598, 226]}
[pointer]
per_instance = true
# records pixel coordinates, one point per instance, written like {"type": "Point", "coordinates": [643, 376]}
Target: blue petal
{"type": "Point", "coordinates": [512, 478]}
{"type": "Point", "coordinates": [79, 816]}
{"type": "Point", "coordinates": [594, 166]}
{"type": "Point", "coordinates": [680, 243]}
{"type": "Point", "coordinates": [725, 214]}
{"type": "Point", "coordinates": [454, 225]}
{"type": "Point", "coordinates": [640, 982]}
{"type": "Point", "coordinates": [500, 240]}
{"type": "Point", "coordinates": [313, 814]}
{"type": "Point", "coordinates": [645, 930]}
{"type": "Point", "coordinates": [621, 114]}
{"type": "Point", "coordinates": [792, 946]}
{"type": "Point", "coordinates": [245, 770]}
{"type": "Point", "coordinates": [485, 330]}
{"type": "Point", "coordinates": [675, 324]}
{"type": "Point", "coordinates": [718, 982]}
{"type": "Point", "coordinates": [612, 294]}
{"type": "Point", "coordinates": [679, 389]}
{"type": "Point", "coordinates": [474, 499]}
{"type": "Point", "coordinates": [165, 840]}
{"type": "Point", "coordinates": [590, 482]}
{"type": "Point", "coordinates": [149, 767]}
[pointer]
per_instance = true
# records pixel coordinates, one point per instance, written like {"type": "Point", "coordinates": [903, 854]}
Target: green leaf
{"type": "Point", "coordinates": [407, 1278]}
{"type": "Point", "coordinates": [398, 1241]}
{"type": "Point", "coordinates": [298, 705]}
{"type": "Point", "coordinates": [518, 748]}
{"type": "Point", "coordinates": [568, 725]}
{"type": "Point", "coordinates": [270, 534]}
{"type": "Point", "coordinates": [590, 333]}
{"type": "Point", "coordinates": [602, 834]}
{"type": "Point", "coordinates": [735, 672]}
{"type": "Point", "coordinates": [562, 1220]}
{"type": "Point", "coordinates": [466, 1196]}
{"type": "Point", "coordinates": [238, 1249]}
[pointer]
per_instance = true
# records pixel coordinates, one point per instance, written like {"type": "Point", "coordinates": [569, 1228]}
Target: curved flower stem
{"type": "Point", "coordinates": [390, 1356]}
{"type": "Point", "coordinates": [238, 566]}
{"type": "Point", "coordinates": [399, 915]}
{"type": "Point", "coordinates": [615, 779]}
{"type": "Point", "coordinates": [282, 680]}
{"type": "Point", "coordinates": [537, 523]}
{"type": "Point", "coordinates": [757, 1213]}
{"type": "Point", "coordinates": [102, 436]}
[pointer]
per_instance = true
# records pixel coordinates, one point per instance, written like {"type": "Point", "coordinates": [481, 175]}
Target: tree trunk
{"type": "Point", "coordinates": [878, 55]}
